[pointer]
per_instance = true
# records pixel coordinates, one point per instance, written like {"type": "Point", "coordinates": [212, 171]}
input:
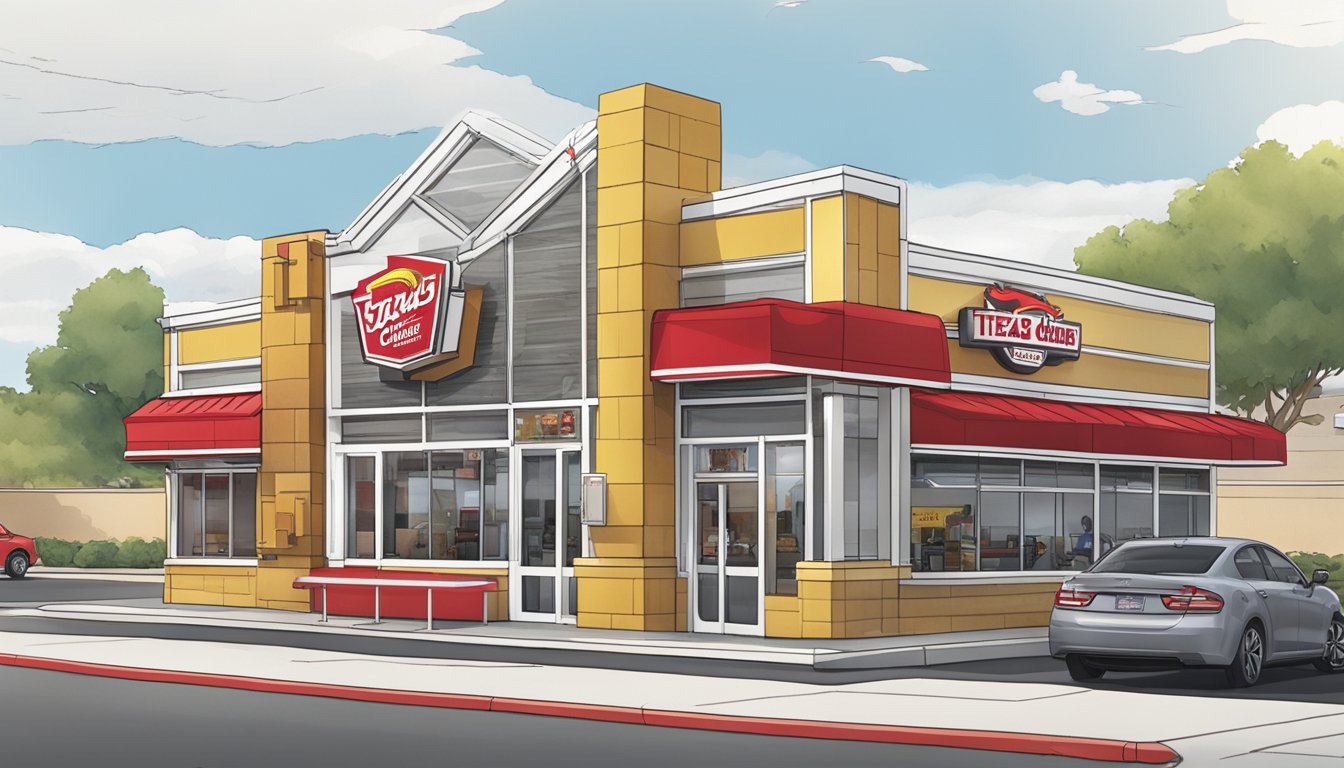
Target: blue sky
{"type": "Point", "coordinates": [258, 119]}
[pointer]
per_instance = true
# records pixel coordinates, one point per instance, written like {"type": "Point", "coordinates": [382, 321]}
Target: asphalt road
{"type": "Point", "coordinates": [38, 589]}
{"type": "Point", "coordinates": [1300, 683]}
{"type": "Point", "coordinates": [64, 720]}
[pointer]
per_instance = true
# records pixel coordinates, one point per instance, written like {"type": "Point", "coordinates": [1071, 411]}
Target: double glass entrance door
{"type": "Point", "coordinates": [551, 535]}
{"type": "Point", "coordinates": [726, 592]}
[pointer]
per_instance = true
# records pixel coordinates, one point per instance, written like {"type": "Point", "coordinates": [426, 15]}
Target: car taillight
{"type": "Point", "coordinates": [1072, 598]}
{"type": "Point", "coordinates": [1193, 600]}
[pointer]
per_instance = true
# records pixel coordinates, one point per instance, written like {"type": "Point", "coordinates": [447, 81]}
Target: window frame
{"type": "Point", "coordinates": [175, 557]}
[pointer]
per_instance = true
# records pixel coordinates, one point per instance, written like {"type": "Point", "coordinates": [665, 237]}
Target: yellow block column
{"type": "Point", "coordinates": [656, 147]}
{"type": "Point", "coordinates": [291, 485]}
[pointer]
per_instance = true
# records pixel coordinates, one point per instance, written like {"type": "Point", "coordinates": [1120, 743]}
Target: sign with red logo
{"type": "Point", "coordinates": [410, 313]}
{"type": "Point", "coordinates": [1021, 329]}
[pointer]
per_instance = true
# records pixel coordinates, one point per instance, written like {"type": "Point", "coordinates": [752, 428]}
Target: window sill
{"type": "Point", "coordinates": [236, 562]}
{"type": "Point", "coordinates": [1001, 577]}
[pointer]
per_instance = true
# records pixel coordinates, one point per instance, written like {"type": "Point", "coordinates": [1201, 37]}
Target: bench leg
{"type": "Point", "coordinates": [485, 607]}
{"type": "Point", "coordinates": [324, 603]}
{"type": "Point", "coordinates": [429, 608]}
{"type": "Point", "coordinates": [376, 605]}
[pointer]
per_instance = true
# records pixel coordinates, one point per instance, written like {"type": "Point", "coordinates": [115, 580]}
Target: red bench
{"type": "Point", "coordinates": [363, 591]}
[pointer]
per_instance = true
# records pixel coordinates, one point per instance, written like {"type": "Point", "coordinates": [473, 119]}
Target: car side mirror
{"type": "Point", "coordinates": [1320, 576]}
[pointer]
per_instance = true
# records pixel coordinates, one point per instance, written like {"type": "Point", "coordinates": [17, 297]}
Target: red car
{"type": "Point", "coordinates": [17, 553]}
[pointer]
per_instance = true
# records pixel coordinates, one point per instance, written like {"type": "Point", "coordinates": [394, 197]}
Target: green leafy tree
{"type": "Point", "coordinates": [107, 361]}
{"type": "Point", "coordinates": [1264, 241]}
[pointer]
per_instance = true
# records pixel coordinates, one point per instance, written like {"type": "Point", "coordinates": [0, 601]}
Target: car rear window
{"type": "Point", "coordinates": [1153, 559]}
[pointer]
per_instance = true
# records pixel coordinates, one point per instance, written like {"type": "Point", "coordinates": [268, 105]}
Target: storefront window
{"type": "Point", "coordinates": [726, 458]}
{"type": "Point", "coordinates": [861, 477]}
{"type": "Point", "coordinates": [590, 271]}
{"type": "Point", "coordinates": [406, 506]}
{"type": "Point", "coordinates": [1126, 505]}
{"type": "Point", "coordinates": [477, 182]}
{"type": "Point", "coordinates": [469, 425]}
{"type": "Point", "coordinates": [1026, 528]}
{"type": "Point", "coordinates": [547, 322]}
{"type": "Point", "coordinates": [785, 516]}
{"type": "Point", "coordinates": [382, 429]}
{"type": "Point", "coordinates": [360, 487]}
{"type": "Point", "coordinates": [216, 514]}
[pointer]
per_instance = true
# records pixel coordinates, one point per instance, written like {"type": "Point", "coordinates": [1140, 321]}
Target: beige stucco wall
{"type": "Point", "coordinates": [1299, 506]}
{"type": "Point", "coordinates": [85, 514]}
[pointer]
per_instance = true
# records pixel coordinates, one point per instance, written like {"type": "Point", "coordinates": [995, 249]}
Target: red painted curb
{"type": "Point", "coordinates": [1109, 750]}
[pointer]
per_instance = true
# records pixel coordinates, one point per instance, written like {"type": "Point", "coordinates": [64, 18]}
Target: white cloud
{"type": "Point", "coordinates": [250, 71]}
{"type": "Point", "coordinates": [899, 64]}
{"type": "Point", "coordinates": [770, 164]}
{"type": "Point", "coordinates": [1295, 23]}
{"type": "Point", "coordinates": [1082, 98]}
{"type": "Point", "coordinates": [1304, 126]}
{"type": "Point", "coordinates": [41, 271]}
{"type": "Point", "coordinates": [1039, 222]}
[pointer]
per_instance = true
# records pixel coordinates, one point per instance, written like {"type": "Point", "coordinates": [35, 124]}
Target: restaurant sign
{"type": "Point", "coordinates": [409, 314]}
{"type": "Point", "coordinates": [1021, 329]}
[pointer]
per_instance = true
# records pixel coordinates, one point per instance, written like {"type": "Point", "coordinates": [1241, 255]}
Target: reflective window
{"type": "Point", "coordinates": [478, 182]}
{"type": "Point", "coordinates": [219, 377]}
{"type": "Point", "coordinates": [1126, 504]}
{"type": "Point", "coordinates": [1000, 532]}
{"type": "Point", "coordinates": [381, 429]}
{"type": "Point", "coordinates": [1281, 568]}
{"type": "Point", "coordinates": [1249, 565]}
{"type": "Point", "coordinates": [1183, 479]}
{"type": "Point", "coordinates": [360, 510]}
{"type": "Point", "coordinates": [406, 506]}
{"type": "Point", "coordinates": [1181, 515]}
{"type": "Point", "coordinates": [745, 419]}
{"type": "Point", "coordinates": [942, 519]}
{"type": "Point", "coordinates": [216, 514]}
{"type": "Point", "coordinates": [729, 285]}
{"type": "Point", "coordinates": [785, 516]}
{"type": "Point", "coordinates": [861, 477]}
{"type": "Point", "coordinates": [780, 385]}
{"type": "Point", "coordinates": [469, 425]}
{"type": "Point", "coordinates": [547, 335]}
{"type": "Point", "coordinates": [1058, 474]}
{"type": "Point", "coordinates": [1149, 559]}
{"type": "Point", "coordinates": [590, 269]}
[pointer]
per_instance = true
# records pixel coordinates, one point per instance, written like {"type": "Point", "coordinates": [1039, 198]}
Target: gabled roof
{"type": "Point", "coordinates": [407, 188]}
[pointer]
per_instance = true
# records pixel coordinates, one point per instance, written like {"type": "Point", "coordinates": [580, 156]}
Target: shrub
{"type": "Point", "coordinates": [135, 552]}
{"type": "Point", "coordinates": [97, 554]}
{"type": "Point", "coordinates": [56, 553]}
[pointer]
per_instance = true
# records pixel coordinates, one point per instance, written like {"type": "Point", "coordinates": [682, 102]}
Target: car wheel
{"type": "Point", "coordinates": [1250, 658]}
{"type": "Point", "coordinates": [16, 567]}
{"type": "Point", "coordinates": [1334, 647]}
{"type": "Point", "coordinates": [1080, 670]}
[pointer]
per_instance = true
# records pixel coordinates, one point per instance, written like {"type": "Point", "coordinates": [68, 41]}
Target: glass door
{"type": "Point", "coordinates": [726, 589]}
{"type": "Point", "coordinates": [543, 587]}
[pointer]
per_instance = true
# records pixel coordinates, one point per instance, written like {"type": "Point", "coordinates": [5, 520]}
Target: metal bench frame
{"type": "Point", "coordinates": [313, 582]}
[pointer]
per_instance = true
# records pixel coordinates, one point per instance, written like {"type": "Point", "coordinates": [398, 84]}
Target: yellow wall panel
{"type": "Point", "coordinates": [221, 342]}
{"type": "Point", "coordinates": [828, 249]}
{"type": "Point", "coordinates": [1091, 371]}
{"type": "Point", "coordinates": [1104, 325]}
{"type": "Point", "coordinates": [748, 236]}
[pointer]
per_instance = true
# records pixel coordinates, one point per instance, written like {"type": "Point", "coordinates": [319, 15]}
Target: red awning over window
{"type": "Point", "coordinates": [203, 426]}
{"type": "Point", "coordinates": [992, 421]}
{"type": "Point", "coordinates": [776, 337]}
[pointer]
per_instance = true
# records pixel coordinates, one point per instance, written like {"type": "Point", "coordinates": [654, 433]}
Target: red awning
{"type": "Point", "coordinates": [195, 427]}
{"type": "Point", "coordinates": [992, 421]}
{"type": "Point", "coordinates": [776, 337]}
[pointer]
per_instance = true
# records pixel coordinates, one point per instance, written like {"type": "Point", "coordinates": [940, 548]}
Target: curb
{"type": "Point", "coordinates": [1108, 750]}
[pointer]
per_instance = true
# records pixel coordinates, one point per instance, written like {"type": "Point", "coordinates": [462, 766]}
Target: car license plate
{"type": "Point", "coordinates": [1129, 602]}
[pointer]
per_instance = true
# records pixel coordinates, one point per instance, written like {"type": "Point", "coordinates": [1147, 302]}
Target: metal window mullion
{"type": "Point", "coordinates": [1157, 496]}
{"type": "Point", "coordinates": [378, 480]}
{"type": "Point", "coordinates": [583, 285]}
{"type": "Point", "coordinates": [508, 321]}
{"type": "Point", "coordinates": [228, 478]}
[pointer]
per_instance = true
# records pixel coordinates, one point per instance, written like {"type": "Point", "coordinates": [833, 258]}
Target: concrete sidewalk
{"type": "Point", "coordinates": [1020, 717]}
{"type": "Point", "coordinates": [854, 654]}
{"type": "Point", "coordinates": [97, 574]}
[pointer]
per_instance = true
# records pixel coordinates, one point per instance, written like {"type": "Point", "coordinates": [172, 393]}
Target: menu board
{"type": "Point", "coordinates": [534, 426]}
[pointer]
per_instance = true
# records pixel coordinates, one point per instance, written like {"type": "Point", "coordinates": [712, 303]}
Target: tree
{"type": "Point", "coordinates": [1264, 241]}
{"type": "Point", "coordinates": [107, 361]}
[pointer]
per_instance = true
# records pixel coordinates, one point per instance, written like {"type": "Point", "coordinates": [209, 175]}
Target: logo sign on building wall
{"type": "Point", "coordinates": [409, 314]}
{"type": "Point", "coordinates": [1021, 329]}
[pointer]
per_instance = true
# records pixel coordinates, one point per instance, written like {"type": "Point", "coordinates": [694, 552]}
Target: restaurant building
{"type": "Point", "coordinates": [807, 426]}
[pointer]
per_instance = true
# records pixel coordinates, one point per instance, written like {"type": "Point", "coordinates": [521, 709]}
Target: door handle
{"type": "Point", "coordinates": [1263, 593]}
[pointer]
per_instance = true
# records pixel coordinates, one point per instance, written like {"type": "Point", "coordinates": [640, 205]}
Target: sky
{"type": "Point", "coordinates": [173, 136]}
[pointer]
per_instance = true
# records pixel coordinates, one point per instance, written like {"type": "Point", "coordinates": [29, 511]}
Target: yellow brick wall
{"type": "Point", "coordinates": [828, 249]}
{"type": "Point", "coordinates": [872, 252]}
{"type": "Point", "coordinates": [291, 484]}
{"type": "Point", "coordinates": [874, 598]}
{"type": "Point", "coordinates": [656, 147]}
{"type": "Point", "coordinates": [210, 585]}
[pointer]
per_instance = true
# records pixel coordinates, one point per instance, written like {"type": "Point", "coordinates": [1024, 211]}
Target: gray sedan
{"type": "Point", "coordinates": [1196, 602]}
